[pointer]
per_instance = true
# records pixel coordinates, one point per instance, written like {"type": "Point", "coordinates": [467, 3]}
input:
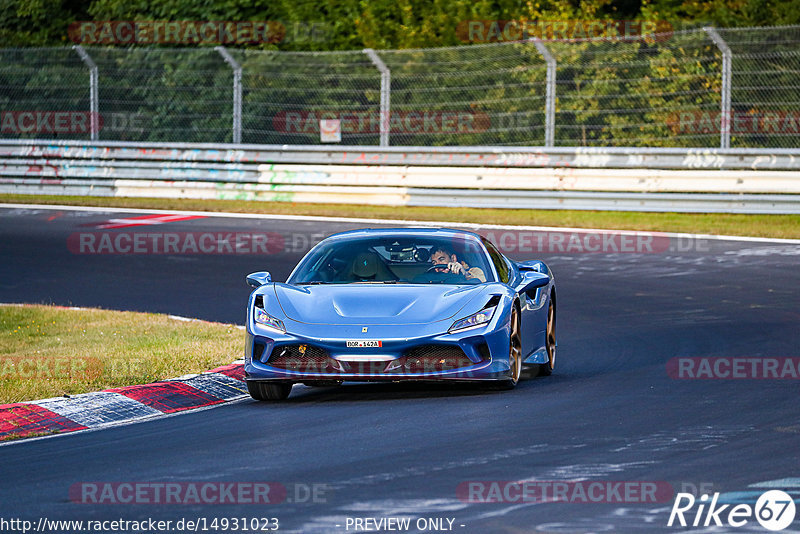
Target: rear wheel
{"type": "Point", "coordinates": [550, 341]}
{"type": "Point", "coordinates": [269, 391]}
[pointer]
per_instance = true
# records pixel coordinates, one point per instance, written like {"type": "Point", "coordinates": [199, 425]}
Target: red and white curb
{"type": "Point", "coordinates": [116, 406]}
{"type": "Point", "coordinates": [145, 220]}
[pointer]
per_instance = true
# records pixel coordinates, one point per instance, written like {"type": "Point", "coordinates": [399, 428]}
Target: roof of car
{"type": "Point", "coordinates": [406, 232]}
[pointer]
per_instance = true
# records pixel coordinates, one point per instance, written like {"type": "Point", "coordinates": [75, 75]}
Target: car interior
{"type": "Point", "coordinates": [385, 262]}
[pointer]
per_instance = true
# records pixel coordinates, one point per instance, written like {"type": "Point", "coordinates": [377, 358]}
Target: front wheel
{"type": "Point", "coordinates": [269, 391]}
{"type": "Point", "coordinates": [514, 350]}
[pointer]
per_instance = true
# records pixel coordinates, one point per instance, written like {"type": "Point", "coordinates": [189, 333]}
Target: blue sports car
{"type": "Point", "coordinates": [400, 304]}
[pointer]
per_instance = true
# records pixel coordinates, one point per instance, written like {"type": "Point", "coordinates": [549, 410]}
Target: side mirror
{"type": "Point", "coordinates": [258, 279]}
{"type": "Point", "coordinates": [534, 279]}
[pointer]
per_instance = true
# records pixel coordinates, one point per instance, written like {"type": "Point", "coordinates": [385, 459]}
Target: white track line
{"type": "Point", "coordinates": [400, 222]}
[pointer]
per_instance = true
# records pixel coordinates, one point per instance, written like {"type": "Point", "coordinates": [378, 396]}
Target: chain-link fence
{"type": "Point", "coordinates": [692, 88]}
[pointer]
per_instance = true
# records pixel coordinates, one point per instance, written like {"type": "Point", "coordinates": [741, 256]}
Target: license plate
{"type": "Point", "coordinates": [365, 343]}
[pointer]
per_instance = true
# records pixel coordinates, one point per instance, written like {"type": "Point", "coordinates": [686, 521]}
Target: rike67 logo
{"type": "Point", "coordinates": [774, 510]}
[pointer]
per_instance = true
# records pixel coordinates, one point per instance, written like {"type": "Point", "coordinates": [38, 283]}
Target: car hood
{"type": "Point", "coordinates": [372, 304]}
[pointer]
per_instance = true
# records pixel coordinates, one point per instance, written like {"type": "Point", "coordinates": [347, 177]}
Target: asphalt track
{"type": "Point", "coordinates": [610, 412]}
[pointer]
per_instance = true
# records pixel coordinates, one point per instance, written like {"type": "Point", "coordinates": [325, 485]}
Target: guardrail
{"type": "Point", "coordinates": [658, 179]}
{"type": "Point", "coordinates": [589, 157]}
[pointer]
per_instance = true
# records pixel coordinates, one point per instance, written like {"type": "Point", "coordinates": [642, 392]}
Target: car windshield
{"type": "Point", "coordinates": [387, 260]}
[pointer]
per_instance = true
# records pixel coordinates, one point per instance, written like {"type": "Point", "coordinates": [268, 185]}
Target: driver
{"type": "Point", "coordinates": [446, 261]}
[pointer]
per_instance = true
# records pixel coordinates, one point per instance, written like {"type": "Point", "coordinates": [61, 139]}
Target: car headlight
{"type": "Point", "coordinates": [263, 318]}
{"type": "Point", "coordinates": [476, 319]}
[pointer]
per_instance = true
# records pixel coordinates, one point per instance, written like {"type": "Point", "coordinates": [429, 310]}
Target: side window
{"type": "Point", "coordinates": [498, 261]}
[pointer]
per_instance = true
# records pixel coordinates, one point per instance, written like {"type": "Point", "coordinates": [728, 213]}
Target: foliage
{"type": "Point", "coordinates": [608, 93]}
{"type": "Point", "coordinates": [380, 24]}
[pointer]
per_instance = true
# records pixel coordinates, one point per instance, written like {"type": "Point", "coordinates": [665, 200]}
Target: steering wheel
{"type": "Point", "coordinates": [439, 266]}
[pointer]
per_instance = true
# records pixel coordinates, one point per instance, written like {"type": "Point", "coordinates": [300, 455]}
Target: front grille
{"type": "Point", "coordinates": [304, 358]}
{"type": "Point", "coordinates": [432, 358]}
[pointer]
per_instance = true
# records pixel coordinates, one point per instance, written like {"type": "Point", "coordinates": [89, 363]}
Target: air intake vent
{"type": "Point", "coordinates": [304, 358]}
{"type": "Point", "coordinates": [434, 358]}
{"type": "Point", "coordinates": [258, 350]}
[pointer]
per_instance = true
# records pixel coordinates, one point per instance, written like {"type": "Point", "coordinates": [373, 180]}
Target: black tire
{"type": "Point", "coordinates": [546, 369]}
{"type": "Point", "coordinates": [514, 356]}
{"type": "Point", "coordinates": [269, 391]}
{"type": "Point", "coordinates": [514, 350]}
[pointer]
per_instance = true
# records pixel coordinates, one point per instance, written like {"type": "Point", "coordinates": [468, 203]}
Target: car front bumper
{"type": "Point", "coordinates": [476, 354]}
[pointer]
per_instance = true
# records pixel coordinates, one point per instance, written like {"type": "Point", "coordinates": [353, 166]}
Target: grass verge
{"type": "Point", "coordinates": [47, 351]}
{"type": "Point", "coordinates": [14, 437]}
{"type": "Point", "coordinates": [776, 226]}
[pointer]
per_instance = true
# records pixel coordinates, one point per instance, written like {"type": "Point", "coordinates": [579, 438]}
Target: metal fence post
{"type": "Point", "coordinates": [386, 88]}
{"type": "Point", "coordinates": [550, 93]}
{"type": "Point", "coordinates": [94, 104]}
{"type": "Point", "coordinates": [237, 92]}
{"type": "Point", "coordinates": [725, 107]}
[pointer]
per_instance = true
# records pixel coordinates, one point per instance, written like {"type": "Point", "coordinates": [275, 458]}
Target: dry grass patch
{"type": "Point", "coordinates": [47, 351]}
